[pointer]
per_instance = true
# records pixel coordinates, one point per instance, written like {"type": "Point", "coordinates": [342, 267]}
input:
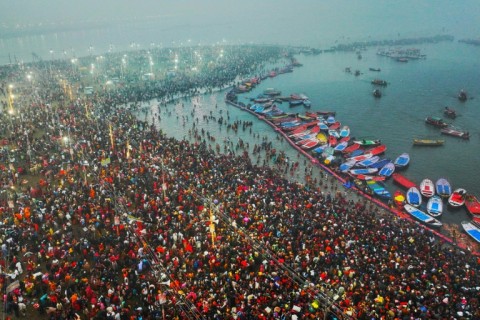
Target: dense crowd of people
{"type": "Point", "coordinates": [123, 222]}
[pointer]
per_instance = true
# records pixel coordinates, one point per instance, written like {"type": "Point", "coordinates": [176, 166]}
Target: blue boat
{"type": "Point", "coordinates": [472, 230]}
{"type": "Point", "coordinates": [347, 165]}
{"type": "Point", "coordinates": [323, 126]}
{"type": "Point", "coordinates": [387, 170]}
{"type": "Point", "coordinates": [443, 188]}
{"type": "Point", "coordinates": [379, 189]}
{"type": "Point", "coordinates": [319, 149]}
{"type": "Point", "coordinates": [381, 163]}
{"type": "Point", "coordinates": [341, 146]}
{"type": "Point", "coordinates": [363, 171]}
{"type": "Point", "coordinates": [330, 120]}
{"type": "Point", "coordinates": [402, 161]}
{"type": "Point", "coordinates": [294, 103]}
{"type": "Point", "coordinates": [356, 153]}
{"type": "Point", "coordinates": [422, 216]}
{"type": "Point", "coordinates": [414, 197]}
{"type": "Point", "coordinates": [435, 206]}
{"type": "Point", "coordinates": [368, 162]}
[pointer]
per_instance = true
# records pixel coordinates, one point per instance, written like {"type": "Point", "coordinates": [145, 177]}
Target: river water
{"type": "Point", "coordinates": [416, 89]}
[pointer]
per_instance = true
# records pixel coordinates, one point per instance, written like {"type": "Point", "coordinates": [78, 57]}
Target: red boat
{"type": "Point", "coordinates": [377, 150]}
{"type": "Point", "coordinates": [473, 205]}
{"type": "Point", "coordinates": [332, 141]}
{"type": "Point", "coordinates": [351, 148]}
{"type": "Point", "coordinates": [403, 181]}
{"type": "Point", "coordinates": [334, 126]}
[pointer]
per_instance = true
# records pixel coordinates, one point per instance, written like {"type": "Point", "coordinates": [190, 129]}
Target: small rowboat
{"type": "Point", "coordinates": [387, 170]}
{"type": "Point", "coordinates": [443, 188]}
{"type": "Point", "coordinates": [402, 161]}
{"type": "Point", "coordinates": [363, 171]}
{"type": "Point", "coordinates": [368, 162]}
{"type": "Point", "coordinates": [414, 197]}
{"type": "Point", "coordinates": [341, 146]}
{"type": "Point", "coordinates": [380, 163]}
{"type": "Point", "coordinates": [403, 181]}
{"type": "Point", "coordinates": [361, 157]}
{"type": "Point", "coordinates": [399, 199]}
{"type": "Point", "coordinates": [377, 150]}
{"type": "Point", "coordinates": [345, 131]}
{"type": "Point", "coordinates": [347, 165]}
{"type": "Point", "coordinates": [457, 198]}
{"type": "Point", "coordinates": [427, 188]}
{"type": "Point", "coordinates": [435, 206]}
{"type": "Point", "coordinates": [351, 148]}
{"type": "Point", "coordinates": [366, 177]}
{"type": "Point", "coordinates": [369, 143]}
{"type": "Point", "coordinates": [472, 204]}
{"type": "Point", "coordinates": [422, 216]}
{"type": "Point", "coordinates": [472, 230]}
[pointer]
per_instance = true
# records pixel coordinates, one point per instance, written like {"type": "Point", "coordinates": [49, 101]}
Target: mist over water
{"type": "Point", "coordinates": [88, 27]}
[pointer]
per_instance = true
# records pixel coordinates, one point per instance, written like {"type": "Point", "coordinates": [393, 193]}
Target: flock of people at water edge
{"type": "Point", "coordinates": [124, 222]}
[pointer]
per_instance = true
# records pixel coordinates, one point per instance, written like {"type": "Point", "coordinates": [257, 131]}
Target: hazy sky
{"type": "Point", "coordinates": [311, 22]}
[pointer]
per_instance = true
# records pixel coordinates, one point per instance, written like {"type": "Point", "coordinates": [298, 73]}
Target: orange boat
{"type": "Point", "coordinates": [403, 181]}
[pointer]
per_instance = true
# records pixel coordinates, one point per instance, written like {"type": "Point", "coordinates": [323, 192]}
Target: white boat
{"type": "Point", "coordinates": [414, 197]}
{"type": "Point", "coordinates": [363, 171]}
{"type": "Point", "coordinates": [443, 188]}
{"type": "Point", "coordinates": [347, 165]}
{"type": "Point", "coordinates": [472, 230]}
{"type": "Point", "coordinates": [345, 131]}
{"type": "Point", "coordinates": [457, 198]}
{"type": "Point", "coordinates": [387, 170]}
{"type": "Point", "coordinates": [435, 206]}
{"type": "Point", "coordinates": [427, 188]}
{"type": "Point", "coordinates": [368, 162]}
{"type": "Point", "coordinates": [422, 216]}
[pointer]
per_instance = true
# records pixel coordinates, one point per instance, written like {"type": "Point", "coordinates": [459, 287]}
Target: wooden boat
{"type": "Point", "coordinates": [347, 165]}
{"type": "Point", "coordinates": [357, 153]}
{"type": "Point", "coordinates": [399, 199]}
{"type": "Point", "coordinates": [368, 162]}
{"type": "Point", "coordinates": [443, 188]}
{"type": "Point", "coordinates": [380, 163]}
{"type": "Point", "coordinates": [379, 82]}
{"type": "Point", "coordinates": [427, 188]}
{"type": "Point", "coordinates": [341, 146]}
{"type": "Point", "coordinates": [309, 144]}
{"type": "Point", "coordinates": [334, 126]}
{"type": "Point", "coordinates": [381, 148]}
{"type": "Point", "coordinates": [366, 177]}
{"type": "Point", "coordinates": [377, 93]}
{"type": "Point", "coordinates": [294, 103]}
{"type": "Point", "coordinates": [320, 149]}
{"type": "Point", "coordinates": [379, 189]}
{"type": "Point", "coordinates": [361, 157]}
{"type": "Point", "coordinates": [435, 206]}
{"type": "Point", "coordinates": [457, 198]}
{"type": "Point", "coordinates": [345, 131]}
{"type": "Point", "coordinates": [451, 113]}
{"type": "Point", "coordinates": [402, 161]}
{"type": "Point", "coordinates": [403, 181]}
{"type": "Point", "coordinates": [472, 230]}
{"type": "Point", "coordinates": [363, 171]}
{"type": "Point", "coordinates": [351, 148]}
{"type": "Point", "coordinates": [414, 197]}
{"type": "Point", "coordinates": [387, 170]}
{"type": "Point", "coordinates": [332, 141]}
{"type": "Point", "coordinates": [322, 137]}
{"type": "Point", "coordinates": [422, 216]}
{"type": "Point", "coordinates": [472, 204]}
{"type": "Point", "coordinates": [428, 142]}
{"type": "Point", "coordinates": [436, 122]}
{"type": "Point", "coordinates": [455, 133]}
{"type": "Point", "coordinates": [462, 95]}
{"type": "Point", "coordinates": [367, 142]}
{"type": "Point", "coordinates": [272, 92]}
